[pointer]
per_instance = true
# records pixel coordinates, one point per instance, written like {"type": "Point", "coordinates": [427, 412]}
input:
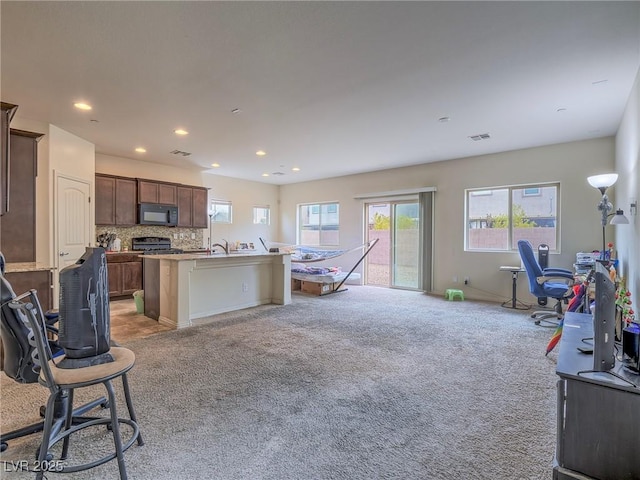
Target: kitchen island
{"type": "Point", "coordinates": [180, 288]}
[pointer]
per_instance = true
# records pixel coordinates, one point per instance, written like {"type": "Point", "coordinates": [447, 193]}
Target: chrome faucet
{"type": "Point", "coordinates": [224, 247]}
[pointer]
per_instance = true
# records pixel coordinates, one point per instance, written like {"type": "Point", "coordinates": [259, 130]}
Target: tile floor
{"type": "Point", "coordinates": [126, 324]}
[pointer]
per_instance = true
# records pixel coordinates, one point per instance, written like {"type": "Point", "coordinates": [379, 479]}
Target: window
{"type": "Point", "coordinates": [318, 224]}
{"type": "Point", "coordinates": [261, 216]}
{"type": "Point", "coordinates": [496, 219]}
{"type": "Point", "coordinates": [220, 211]}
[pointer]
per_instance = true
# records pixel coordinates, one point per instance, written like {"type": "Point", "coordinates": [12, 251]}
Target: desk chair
{"type": "Point", "coordinates": [542, 284]}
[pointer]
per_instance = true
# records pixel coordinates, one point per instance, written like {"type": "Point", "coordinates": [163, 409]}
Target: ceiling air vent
{"type": "Point", "coordinates": [480, 136]}
{"type": "Point", "coordinates": [277, 174]}
{"type": "Point", "coordinates": [180, 152]}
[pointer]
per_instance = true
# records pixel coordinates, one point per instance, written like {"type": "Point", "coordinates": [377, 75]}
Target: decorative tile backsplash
{"type": "Point", "coordinates": [184, 240]}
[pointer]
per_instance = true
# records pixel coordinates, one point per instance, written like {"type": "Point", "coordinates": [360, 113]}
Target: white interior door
{"type": "Point", "coordinates": [73, 213]}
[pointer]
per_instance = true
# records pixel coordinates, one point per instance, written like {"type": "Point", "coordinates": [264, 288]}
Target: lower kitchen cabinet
{"type": "Point", "coordinates": [125, 274]}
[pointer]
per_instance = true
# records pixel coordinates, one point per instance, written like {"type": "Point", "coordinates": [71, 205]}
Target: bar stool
{"type": "Point", "coordinates": [62, 381]}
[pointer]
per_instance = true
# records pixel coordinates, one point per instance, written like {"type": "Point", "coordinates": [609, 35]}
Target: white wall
{"type": "Point", "coordinates": [126, 167]}
{"type": "Point", "coordinates": [570, 164]}
{"type": "Point", "coordinates": [628, 189]}
{"type": "Point", "coordinates": [244, 195]}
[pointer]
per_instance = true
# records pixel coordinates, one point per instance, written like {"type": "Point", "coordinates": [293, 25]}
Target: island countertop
{"type": "Point", "coordinates": [186, 287]}
{"type": "Point", "coordinates": [179, 257]}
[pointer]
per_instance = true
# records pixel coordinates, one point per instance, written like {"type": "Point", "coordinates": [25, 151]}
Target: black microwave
{"type": "Point", "coordinates": [156, 214]}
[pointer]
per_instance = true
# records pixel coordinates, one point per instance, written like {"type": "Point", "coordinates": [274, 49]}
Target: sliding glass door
{"type": "Point", "coordinates": [395, 261]}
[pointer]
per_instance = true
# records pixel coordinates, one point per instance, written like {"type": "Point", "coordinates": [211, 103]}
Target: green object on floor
{"type": "Point", "coordinates": [452, 293]}
{"type": "Point", "coordinates": [138, 298]}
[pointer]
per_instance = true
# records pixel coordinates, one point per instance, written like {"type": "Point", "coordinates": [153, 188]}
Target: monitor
{"type": "Point", "coordinates": [604, 320]}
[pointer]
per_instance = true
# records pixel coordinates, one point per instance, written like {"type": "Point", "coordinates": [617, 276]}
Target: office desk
{"type": "Point", "coordinates": [515, 303]}
{"type": "Point", "coordinates": [598, 432]}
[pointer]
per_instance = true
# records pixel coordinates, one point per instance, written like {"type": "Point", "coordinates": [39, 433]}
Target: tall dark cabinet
{"type": "Point", "coordinates": [18, 224]}
{"type": "Point", "coordinates": [7, 110]}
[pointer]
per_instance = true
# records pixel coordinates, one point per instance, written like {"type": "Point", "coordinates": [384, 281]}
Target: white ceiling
{"type": "Point", "coordinates": [333, 88]}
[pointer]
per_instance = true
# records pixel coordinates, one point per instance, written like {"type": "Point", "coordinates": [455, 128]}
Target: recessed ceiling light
{"type": "Point", "coordinates": [82, 106]}
{"type": "Point", "coordinates": [180, 131]}
{"type": "Point", "coordinates": [265, 174]}
{"type": "Point", "coordinates": [261, 153]}
{"type": "Point", "coordinates": [215, 165]}
{"type": "Point", "coordinates": [141, 150]}
{"type": "Point", "coordinates": [295, 169]}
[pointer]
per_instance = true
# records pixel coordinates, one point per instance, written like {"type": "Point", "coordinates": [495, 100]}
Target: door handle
{"type": "Point", "coordinates": [62, 254]}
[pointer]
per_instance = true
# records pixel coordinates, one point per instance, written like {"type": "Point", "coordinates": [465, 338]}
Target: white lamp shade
{"type": "Point", "coordinates": [619, 218]}
{"type": "Point", "coordinates": [602, 181]}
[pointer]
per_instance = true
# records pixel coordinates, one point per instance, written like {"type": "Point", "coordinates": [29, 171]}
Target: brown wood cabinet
{"type": "Point", "coordinates": [7, 110]}
{"type": "Point", "coordinates": [125, 274]}
{"type": "Point", "coordinates": [105, 200]}
{"type": "Point", "coordinates": [150, 191]}
{"type": "Point", "coordinates": [200, 213]}
{"type": "Point", "coordinates": [185, 207]}
{"type": "Point", "coordinates": [18, 225]}
{"type": "Point", "coordinates": [192, 207]}
{"type": "Point", "coordinates": [115, 200]}
{"type": "Point", "coordinates": [40, 280]}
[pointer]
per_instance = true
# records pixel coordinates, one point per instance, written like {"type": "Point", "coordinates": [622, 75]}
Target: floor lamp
{"type": "Point", "coordinates": [602, 183]}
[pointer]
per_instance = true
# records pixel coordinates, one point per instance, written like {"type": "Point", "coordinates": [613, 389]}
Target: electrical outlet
{"type": "Point", "coordinates": [466, 280]}
{"type": "Point", "coordinates": [182, 236]}
{"type": "Point", "coordinates": [175, 236]}
{"type": "Point", "coordinates": [455, 279]}
{"type": "Point", "coordinates": [245, 287]}
{"type": "Point", "coordinates": [193, 236]}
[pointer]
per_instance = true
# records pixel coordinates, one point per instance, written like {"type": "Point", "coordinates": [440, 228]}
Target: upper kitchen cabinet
{"type": "Point", "coordinates": [115, 200]}
{"type": "Point", "coordinates": [7, 112]}
{"type": "Point", "coordinates": [200, 213]}
{"type": "Point", "coordinates": [157, 192]}
{"type": "Point", "coordinates": [18, 224]}
{"type": "Point", "coordinates": [192, 207]}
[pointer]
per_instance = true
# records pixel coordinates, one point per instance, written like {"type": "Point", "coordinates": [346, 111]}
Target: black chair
{"type": "Point", "coordinates": [555, 283]}
{"type": "Point", "coordinates": [19, 363]}
{"type": "Point", "coordinates": [62, 383]}
{"type": "Point", "coordinates": [30, 354]}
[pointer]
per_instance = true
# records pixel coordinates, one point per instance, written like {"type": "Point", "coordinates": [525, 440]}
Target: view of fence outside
{"type": "Point", "coordinates": [498, 238]}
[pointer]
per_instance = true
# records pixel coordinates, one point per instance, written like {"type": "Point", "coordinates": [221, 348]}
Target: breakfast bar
{"type": "Point", "coordinates": [181, 288]}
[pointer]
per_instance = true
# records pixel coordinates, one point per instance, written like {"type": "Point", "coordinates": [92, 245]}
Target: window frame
{"type": "Point", "coordinates": [483, 191]}
{"type": "Point", "coordinates": [267, 209]}
{"type": "Point", "coordinates": [315, 208]}
{"type": "Point", "coordinates": [212, 211]}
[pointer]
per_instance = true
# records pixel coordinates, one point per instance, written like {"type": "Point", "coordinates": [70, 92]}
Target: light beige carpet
{"type": "Point", "coordinates": [371, 383]}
